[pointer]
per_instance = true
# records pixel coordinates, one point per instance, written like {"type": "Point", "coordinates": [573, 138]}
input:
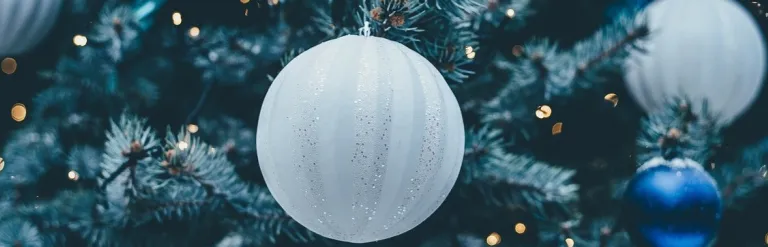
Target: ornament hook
{"type": "Point", "coordinates": [366, 29]}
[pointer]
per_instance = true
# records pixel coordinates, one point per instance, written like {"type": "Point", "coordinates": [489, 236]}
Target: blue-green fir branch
{"type": "Point", "coordinates": [506, 179]}
{"type": "Point", "coordinates": [562, 71]}
{"type": "Point", "coordinates": [228, 56]}
{"type": "Point", "coordinates": [29, 154]}
{"type": "Point", "coordinates": [745, 173]}
{"type": "Point", "coordinates": [456, 10]}
{"type": "Point", "coordinates": [677, 131]}
{"type": "Point", "coordinates": [397, 20]}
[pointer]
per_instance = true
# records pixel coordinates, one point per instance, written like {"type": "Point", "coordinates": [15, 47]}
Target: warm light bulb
{"type": "Point", "coordinates": [194, 32]}
{"type": "Point", "coordinates": [176, 18]}
{"type": "Point", "coordinates": [182, 145]}
{"type": "Point", "coordinates": [18, 112]}
{"type": "Point", "coordinates": [493, 239]}
{"type": "Point", "coordinates": [520, 228]}
{"type": "Point", "coordinates": [8, 65]}
{"type": "Point", "coordinates": [192, 128]}
{"type": "Point", "coordinates": [80, 40]}
{"type": "Point", "coordinates": [72, 175]}
{"type": "Point", "coordinates": [569, 242]}
{"type": "Point", "coordinates": [511, 13]}
{"type": "Point", "coordinates": [471, 55]}
{"type": "Point", "coordinates": [543, 111]}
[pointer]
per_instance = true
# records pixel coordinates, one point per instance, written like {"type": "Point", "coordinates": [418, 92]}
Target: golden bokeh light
{"type": "Point", "coordinates": [245, 1]}
{"type": "Point", "coordinates": [520, 228]}
{"type": "Point", "coordinates": [182, 145]}
{"type": "Point", "coordinates": [471, 55]}
{"type": "Point", "coordinates": [194, 32]}
{"type": "Point", "coordinates": [2, 164]}
{"type": "Point", "coordinates": [510, 13]}
{"type": "Point", "coordinates": [613, 98]}
{"type": "Point", "coordinates": [176, 17]}
{"type": "Point", "coordinates": [192, 128]}
{"type": "Point", "coordinates": [8, 65]}
{"type": "Point", "coordinates": [569, 242]}
{"type": "Point", "coordinates": [73, 175]}
{"type": "Point", "coordinates": [493, 239]}
{"type": "Point", "coordinates": [18, 112]}
{"type": "Point", "coordinates": [543, 111]}
{"type": "Point", "coordinates": [468, 50]}
{"type": "Point", "coordinates": [274, 2]}
{"type": "Point", "coordinates": [80, 40]}
{"type": "Point", "coordinates": [557, 128]}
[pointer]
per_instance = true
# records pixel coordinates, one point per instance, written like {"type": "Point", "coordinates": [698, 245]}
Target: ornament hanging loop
{"type": "Point", "coordinates": [366, 29]}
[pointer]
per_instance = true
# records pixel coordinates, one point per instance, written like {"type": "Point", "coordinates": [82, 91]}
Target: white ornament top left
{"type": "Point", "coordinates": [360, 139]}
{"type": "Point", "coordinates": [24, 23]}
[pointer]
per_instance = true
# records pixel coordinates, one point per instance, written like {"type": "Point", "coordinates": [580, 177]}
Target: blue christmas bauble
{"type": "Point", "coordinates": [672, 203]}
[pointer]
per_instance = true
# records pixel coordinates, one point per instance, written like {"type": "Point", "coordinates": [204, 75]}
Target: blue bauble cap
{"type": "Point", "coordinates": [672, 203]}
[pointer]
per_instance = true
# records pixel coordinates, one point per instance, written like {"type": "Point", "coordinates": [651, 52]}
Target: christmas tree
{"type": "Point", "coordinates": [133, 122]}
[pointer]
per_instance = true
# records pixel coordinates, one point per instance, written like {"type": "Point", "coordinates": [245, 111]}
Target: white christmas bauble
{"type": "Point", "coordinates": [24, 23]}
{"type": "Point", "coordinates": [701, 49]}
{"type": "Point", "coordinates": [360, 139]}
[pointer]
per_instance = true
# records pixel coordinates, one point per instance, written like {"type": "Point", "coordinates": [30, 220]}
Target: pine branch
{"type": "Point", "coordinates": [561, 72]}
{"type": "Point", "coordinates": [676, 131]}
{"type": "Point", "coordinates": [510, 180]}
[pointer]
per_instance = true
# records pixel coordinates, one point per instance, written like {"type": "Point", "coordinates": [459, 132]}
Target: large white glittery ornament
{"type": "Point", "coordinates": [24, 23]}
{"type": "Point", "coordinates": [702, 49]}
{"type": "Point", "coordinates": [360, 139]}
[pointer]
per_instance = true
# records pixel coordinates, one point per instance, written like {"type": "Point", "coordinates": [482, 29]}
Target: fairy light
{"type": "Point", "coordinates": [8, 65]}
{"type": "Point", "coordinates": [245, 1]}
{"type": "Point", "coordinates": [274, 2]}
{"type": "Point", "coordinates": [471, 55]}
{"type": "Point", "coordinates": [192, 128]}
{"type": "Point", "coordinates": [194, 32]}
{"type": "Point", "coordinates": [182, 145]}
{"type": "Point", "coordinates": [613, 98]}
{"type": "Point", "coordinates": [80, 40]}
{"type": "Point", "coordinates": [520, 228]}
{"type": "Point", "coordinates": [18, 112]}
{"type": "Point", "coordinates": [510, 13]}
{"type": "Point", "coordinates": [468, 50]}
{"type": "Point", "coordinates": [73, 175]}
{"type": "Point", "coordinates": [493, 239]}
{"type": "Point", "coordinates": [569, 242]}
{"type": "Point", "coordinates": [176, 18]}
{"type": "Point", "coordinates": [2, 163]}
{"type": "Point", "coordinates": [544, 111]}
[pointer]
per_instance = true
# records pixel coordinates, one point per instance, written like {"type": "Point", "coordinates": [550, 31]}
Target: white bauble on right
{"type": "Point", "coordinates": [24, 23]}
{"type": "Point", "coordinates": [702, 49]}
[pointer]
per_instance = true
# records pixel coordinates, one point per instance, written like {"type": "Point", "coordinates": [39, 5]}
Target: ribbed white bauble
{"type": "Point", "coordinates": [705, 49]}
{"type": "Point", "coordinates": [24, 23]}
{"type": "Point", "coordinates": [360, 139]}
